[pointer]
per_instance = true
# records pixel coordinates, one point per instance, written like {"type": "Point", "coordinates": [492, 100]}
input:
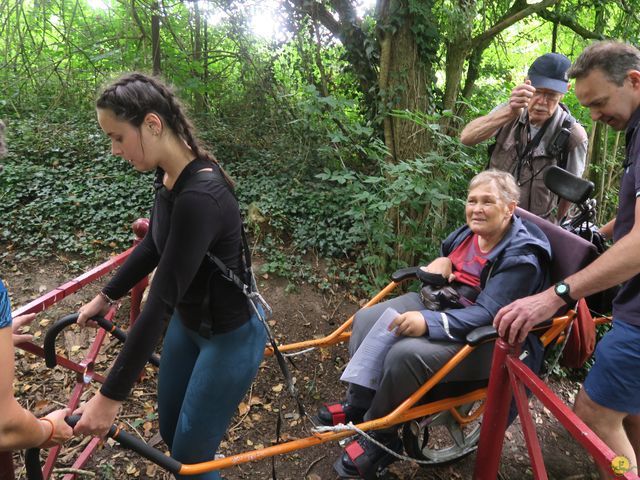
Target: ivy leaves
{"type": "Point", "coordinates": [63, 192]}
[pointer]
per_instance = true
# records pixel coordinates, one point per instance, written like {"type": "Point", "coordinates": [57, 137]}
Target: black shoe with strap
{"type": "Point", "coordinates": [364, 459]}
{"type": "Point", "coordinates": [334, 413]}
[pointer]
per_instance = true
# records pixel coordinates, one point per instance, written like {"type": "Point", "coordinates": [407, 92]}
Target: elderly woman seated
{"type": "Point", "coordinates": [496, 258]}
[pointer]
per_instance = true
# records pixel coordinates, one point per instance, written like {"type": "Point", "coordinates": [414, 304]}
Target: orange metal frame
{"type": "Point", "coordinates": [338, 335]}
{"type": "Point", "coordinates": [406, 411]}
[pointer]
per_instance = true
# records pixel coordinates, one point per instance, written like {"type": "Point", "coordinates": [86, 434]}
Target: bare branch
{"type": "Point", "coordinates": [136, 18]}
{"type": "Point", "coordinates": [345, 10]}
{"type": "Point", "coordinates": [517, 12]}
{"type": "Point", "coordinates": [571, 24]}
{"type": "Point", "coordinates": [320, 12]}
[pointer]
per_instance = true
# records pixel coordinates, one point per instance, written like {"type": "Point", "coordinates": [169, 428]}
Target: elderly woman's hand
{"type": "Point", "coordinates": [17, 324]}
{"type": "Point", "coordinates": [409, 324]}
{"type": "Point", "coordinates": [441, 266]}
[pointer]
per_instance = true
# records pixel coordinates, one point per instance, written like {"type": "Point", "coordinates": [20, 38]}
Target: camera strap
{"type": "Point", "coordinates": [524, 153]}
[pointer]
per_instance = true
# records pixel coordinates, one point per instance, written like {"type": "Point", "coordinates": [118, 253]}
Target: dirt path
{"type": "Point", "coordinates": [300, 313]}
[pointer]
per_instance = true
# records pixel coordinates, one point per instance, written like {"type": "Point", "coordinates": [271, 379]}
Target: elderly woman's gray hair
{"type": "Point", "coordinates": [504, 182]}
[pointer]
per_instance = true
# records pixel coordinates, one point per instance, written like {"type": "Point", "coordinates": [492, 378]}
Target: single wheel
{"type": "Point", "coordinates": [440, 439]}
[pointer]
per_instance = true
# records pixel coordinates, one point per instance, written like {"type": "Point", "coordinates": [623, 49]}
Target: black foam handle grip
{"type": "Point", "coordinates": [32, 455]}
{"type": "Point", "coordinates": [58, 326]}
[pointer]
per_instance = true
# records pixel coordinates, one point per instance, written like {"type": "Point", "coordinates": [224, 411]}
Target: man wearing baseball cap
{"type": "Point", "coordinates": [533, 131]}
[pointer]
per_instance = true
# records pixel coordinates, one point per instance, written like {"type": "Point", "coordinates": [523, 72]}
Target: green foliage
{"type": "Point", "coordinates": [332, 131]}
{"type": "Point", "coordinates": [287, 262]}
{"type": "Point", "coordinates": [287, 120]}
{"type": "Point", "coordinates": [60, 191]}
{"type": "Point", "coordinates": [324, 200]}
{"type": "Point", "coordinates": [403, 211]}
{"type": "Point", "coordinates": [58, 53]}
{"type": "Point", "coordinates": [107, 471]}
{"type": "Point", "coordinates": [424, 26]}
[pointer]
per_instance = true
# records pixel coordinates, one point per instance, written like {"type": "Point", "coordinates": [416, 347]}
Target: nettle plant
{"type": "Point", "coordinates": [402, 211]}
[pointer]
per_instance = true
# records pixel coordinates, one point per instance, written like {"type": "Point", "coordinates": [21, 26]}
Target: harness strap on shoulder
{"type": "Point", "coordinates": [260, 307]}
{"type": "Point", "coordinates": [249, 288]}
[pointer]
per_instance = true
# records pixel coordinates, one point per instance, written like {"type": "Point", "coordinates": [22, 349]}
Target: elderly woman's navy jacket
{"type": "Point", "coordinates": [518, 266]}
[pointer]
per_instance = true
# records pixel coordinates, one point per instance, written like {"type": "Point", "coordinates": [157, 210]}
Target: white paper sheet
{"type": "Point", "coordinates": [365, 367]}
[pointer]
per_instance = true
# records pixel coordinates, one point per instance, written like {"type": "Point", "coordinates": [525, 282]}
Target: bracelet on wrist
{"type": "Point", "coordinates": [53, 429]}
{"type": "Point", "coordinates": [106, 298]}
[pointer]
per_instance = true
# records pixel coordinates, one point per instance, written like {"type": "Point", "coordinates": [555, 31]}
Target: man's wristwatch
{"type": "Point", "coordinates": [563, 291]}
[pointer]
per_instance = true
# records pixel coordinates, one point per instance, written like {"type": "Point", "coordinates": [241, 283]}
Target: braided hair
{"type": "Point", "coordinates": [135, 95]}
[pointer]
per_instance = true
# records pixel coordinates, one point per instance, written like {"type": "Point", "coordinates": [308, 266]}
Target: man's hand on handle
{"type": "Point", "coordinates": [515, 321]}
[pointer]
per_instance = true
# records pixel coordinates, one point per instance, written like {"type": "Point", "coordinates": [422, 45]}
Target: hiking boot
{"type": "Point", "coordinates": [364, 459]}
{"type": "Point", "coordinates": [334, 413]}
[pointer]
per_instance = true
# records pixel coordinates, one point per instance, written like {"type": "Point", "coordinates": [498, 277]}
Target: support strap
{"type": "Point", "coordinates": [249, 288]}
{"type": "Point", "coordinates": [261, 308]}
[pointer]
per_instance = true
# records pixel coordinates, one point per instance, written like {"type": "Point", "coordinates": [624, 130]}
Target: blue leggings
{"type": "Point", "coordinates": [200, 384]}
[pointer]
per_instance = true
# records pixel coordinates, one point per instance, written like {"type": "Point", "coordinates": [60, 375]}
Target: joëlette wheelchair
{"type": "Point", "coordinates": [431, 407]}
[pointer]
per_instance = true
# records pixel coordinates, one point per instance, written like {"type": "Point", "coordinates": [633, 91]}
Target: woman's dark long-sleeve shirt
{"type": "Point", "coordinates": [199, 215]}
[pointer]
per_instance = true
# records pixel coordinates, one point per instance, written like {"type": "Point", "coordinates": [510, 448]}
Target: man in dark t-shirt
{"type": "Point", "coordinates": [608, 83]}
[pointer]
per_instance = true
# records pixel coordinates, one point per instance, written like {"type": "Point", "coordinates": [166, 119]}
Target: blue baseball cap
{"type": "Point", "coordinates": [550, 71]}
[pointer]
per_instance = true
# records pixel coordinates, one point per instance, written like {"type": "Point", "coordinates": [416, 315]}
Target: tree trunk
{"type": "Point", "coordinates": [205, 60]}
{"type": "Point", "coordinates": [155, 38]}
{"type": "Point", "coordinates": [404, 82]}
{"type": "Point", "coordinates": [554, 38]}
{"type": "Point", "coordinates": [458, 49]}
{"type": "Point", "coordinates": [197, 55]}
{"type": "Point", "coordinates": [599, 160]}
{"type": "Point", "coordinates": [324, 83]}
{"type": "Point", "coordinates": [473, 72]}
